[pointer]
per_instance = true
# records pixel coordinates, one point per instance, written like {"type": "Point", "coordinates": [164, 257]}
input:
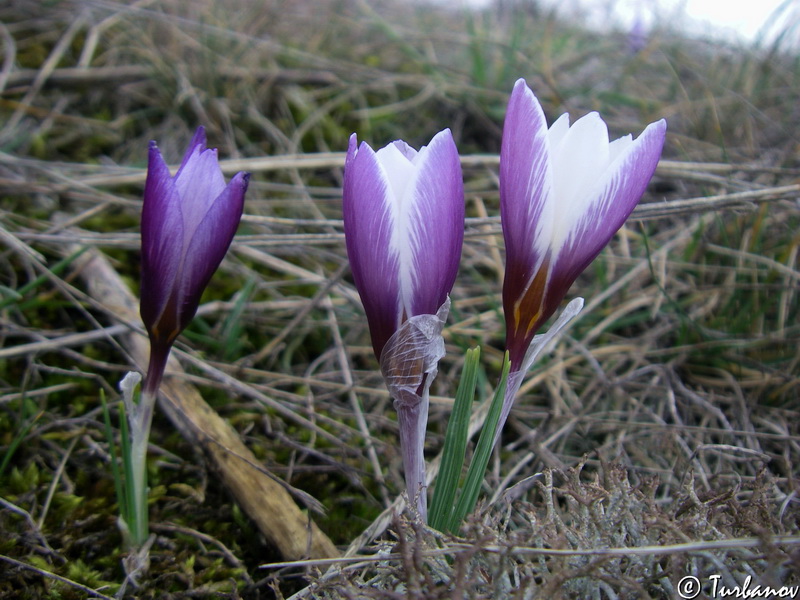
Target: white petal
{"type": "Point", "coordinates": [617, 147]}
{"type": "Point", "coordinates": [578, 165]}
{"type": "Point", "coordinates": [428, 226]}
{"type": "Point", "coordinates": [398, 169]}
{"type": "Point", "coordinates": [557, 131]}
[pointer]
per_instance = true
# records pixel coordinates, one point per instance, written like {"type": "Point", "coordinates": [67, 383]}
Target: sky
{"type": "Point", "coordinates": [732, 19]}
{"type": "Point", "coordinates": [741, 20]}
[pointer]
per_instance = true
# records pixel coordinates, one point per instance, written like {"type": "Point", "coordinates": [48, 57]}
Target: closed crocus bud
{"type": "Point", "coordinates": [404, 226]}
{"type": "Point", "coordinates": [564, 193]}
{"type": "Point", "coordinates": [188, 223]}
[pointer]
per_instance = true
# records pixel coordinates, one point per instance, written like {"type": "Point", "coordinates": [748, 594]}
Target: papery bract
{"type": "Point", "coordinates": [404, 226]}
{"type": "Point", "coordinates": [188, 223]}
{"type": "Point", "coordinates": [409, 364]}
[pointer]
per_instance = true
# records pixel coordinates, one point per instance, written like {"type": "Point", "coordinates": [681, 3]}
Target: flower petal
{"type": "Point", "coordinates": [558, 130]}
{"type": "Point", "coordinates": [430, 227]}
{"type": "Point", "coordinates": [595, 220]}
{"type": "Point", "coordinates": [162, 238]}
{"type": "Point", "coordinates": [368, 224]}
{"type": "Point", "coordinates": [578, 162]}
{"type": "Point", "coordinates": [208, 245]}
{"type": "Point", "coordinates": [197, 145]}
{"type": "Point", "coordinates": [199, 182]}
{"type": "Point", "coordinates": [526, 187]}
{"type": "Point", "coordinates": [397, 162]}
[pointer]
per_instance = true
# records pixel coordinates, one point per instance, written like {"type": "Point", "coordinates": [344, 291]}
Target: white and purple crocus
{"type": "Point", "coordinates": [564, 193]}
{"type": "Point", "coordinates": [404, 226]}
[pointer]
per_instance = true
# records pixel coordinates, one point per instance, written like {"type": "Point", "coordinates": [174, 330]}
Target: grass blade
{"type": "Point", "coordinates": [455, 443]}
{"type": "Point", "coordinates": [119, 483]}
{"type": "Point", "coordinates": [12, 447]}
{"type": "Point", "coordinates": [16, 296]}
{"type": "Point", "coordinates": [477, 467]}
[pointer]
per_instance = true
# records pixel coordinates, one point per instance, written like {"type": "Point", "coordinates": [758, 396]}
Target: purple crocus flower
{"type": "Point", "coordinates": [188, 223]}
{"type": "Point", "coordinates": [637, 35]}
{"type": "Point", "coordinates": [404, 226]}
{"type": "Point", "coordinates": [564, 193]}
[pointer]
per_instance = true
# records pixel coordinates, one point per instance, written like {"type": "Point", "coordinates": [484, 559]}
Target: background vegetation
{"type": "Point", "coordinates": [664, 425]}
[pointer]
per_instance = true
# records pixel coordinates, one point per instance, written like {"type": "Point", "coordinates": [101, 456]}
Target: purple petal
{"type": "Point", "coordinates": [199, 182]}
{"type": "Point", "coordinates": [368, 236]}
{"type": "Point", "coordinates": [208, 245]}
{"type": "Point", "coordinates": [407, 151]}
{"type": "Point", "coordinates": [526, 183]}
{"type": "Point", "coordinates": [162, 238]}
{"type": "Point", "coordinates": [197, 145]}
{"type": "Point", "coordinates": [434, 226]}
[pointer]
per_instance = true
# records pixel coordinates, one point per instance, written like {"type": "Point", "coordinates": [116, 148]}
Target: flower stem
{"type": "Point", "coordinates": [140, 434]}
{"type": "Point", "coordinates": [412, 418]}
{"type": "Point", "coordinates": [140, 418]}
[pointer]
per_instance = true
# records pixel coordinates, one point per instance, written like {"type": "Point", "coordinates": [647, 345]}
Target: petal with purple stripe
{"type": "Point", "coordinates": [368, 227]}
{"type": "Point", "coordinates": [604, 208]}
{"type": "Point", "coordinates": [430, 227]}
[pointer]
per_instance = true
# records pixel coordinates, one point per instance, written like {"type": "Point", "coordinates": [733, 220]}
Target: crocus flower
{"type": "Point", "coordinates": [404, 226]}
{"type": "Point", "coordinates": [637, 35]}
{"type": "Point", "coordinates": [564, 193]}
{"type": "Point", "coordinates": [188, 223]}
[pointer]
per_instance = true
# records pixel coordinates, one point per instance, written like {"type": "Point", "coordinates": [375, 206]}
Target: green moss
{"type": "Point", "coordinates": [25, 480]}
